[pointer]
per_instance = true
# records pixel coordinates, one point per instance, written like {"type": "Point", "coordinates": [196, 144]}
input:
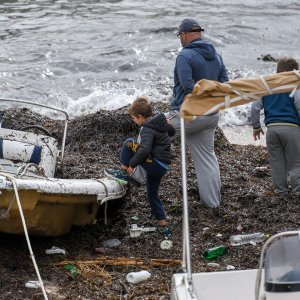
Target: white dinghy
{"type": "Point", "coordinates": [278, 275]}
{"type": "Point", "coordinates": [28, 163]}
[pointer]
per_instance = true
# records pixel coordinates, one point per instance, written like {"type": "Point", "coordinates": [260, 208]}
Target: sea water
{"type": "Point", "coordinates": [82, 56]}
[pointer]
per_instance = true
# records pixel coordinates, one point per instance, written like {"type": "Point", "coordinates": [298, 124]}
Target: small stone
{"type": "Point", "coordinates": [239, 228]}
{"type": "Point", "coordinates": [103, 250]}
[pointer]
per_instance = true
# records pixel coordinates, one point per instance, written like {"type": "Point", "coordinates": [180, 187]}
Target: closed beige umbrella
{"type": "Point", "coordinates": [210, 96]}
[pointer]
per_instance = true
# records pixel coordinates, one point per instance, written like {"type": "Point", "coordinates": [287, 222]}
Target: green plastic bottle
{"type": "Point", "coordinates": [214, 252]}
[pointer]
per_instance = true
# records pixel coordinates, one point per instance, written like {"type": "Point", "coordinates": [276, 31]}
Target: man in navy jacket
{"type": "Point", "coordinates": [198, 60]}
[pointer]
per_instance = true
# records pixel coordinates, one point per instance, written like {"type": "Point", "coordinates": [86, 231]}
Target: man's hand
{"type": "Point", "coordinates": [130, 170]}
{"type": "Point", "coordinates": [256, 133]}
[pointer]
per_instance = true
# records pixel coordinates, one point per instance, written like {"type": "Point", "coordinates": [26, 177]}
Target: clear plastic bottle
{"type": "Point", "coordinates": [242, 239]}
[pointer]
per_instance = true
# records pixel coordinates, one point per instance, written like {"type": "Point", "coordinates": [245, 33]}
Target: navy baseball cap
{"type": "Point", "coordinates": [189, 25]}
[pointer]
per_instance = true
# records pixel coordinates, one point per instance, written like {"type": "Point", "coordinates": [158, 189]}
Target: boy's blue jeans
{"type": "Point", "coordinates": [155, 173]}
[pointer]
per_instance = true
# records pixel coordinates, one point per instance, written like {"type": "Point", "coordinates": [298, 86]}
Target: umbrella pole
{"type": "Point", "coordinates": [186, 232]}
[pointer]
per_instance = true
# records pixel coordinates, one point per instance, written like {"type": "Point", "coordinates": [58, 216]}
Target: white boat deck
{"type": "Point", "coordinates": [230, 285]}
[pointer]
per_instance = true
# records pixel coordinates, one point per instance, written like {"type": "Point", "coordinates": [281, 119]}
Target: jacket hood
{"type": "Point", "coordinates": [208, 51]}
{"type": "Point", "coordinates": [158, 122]}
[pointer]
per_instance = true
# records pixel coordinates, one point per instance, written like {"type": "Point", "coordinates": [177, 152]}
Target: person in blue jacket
{"type": "Point", "coordinates": [282, 118]}
{"type": "Point", "coordinates": [198, 60]}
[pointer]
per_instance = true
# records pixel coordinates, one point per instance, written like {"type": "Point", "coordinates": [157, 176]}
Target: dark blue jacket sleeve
{"type": "Point", "coordinates": [223, 73]}
{"type": "Point", "coordinates": [185, 74]}
{"type": "Point", "coordinates": [145, 148]}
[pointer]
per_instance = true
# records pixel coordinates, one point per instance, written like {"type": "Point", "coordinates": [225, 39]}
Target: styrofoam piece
{"type": "Point", "coordinates": [55, 250]}
{"type": "Point", "coordinates": [135, 277]}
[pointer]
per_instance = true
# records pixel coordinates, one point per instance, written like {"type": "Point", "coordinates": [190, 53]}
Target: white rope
{"type": "Point", "coordinates": [263, 80]}
{"type": "Point", "coordinates": [253, 95]}
{"type": "Point", "coordinates": [294, 91]}
{"type": "Point", "coordinates": [297, 73]}
{"type": "Point", "coordinates": [227, 101]}
{"type": "Point", "coordinates": [12, 179]}
{"type": "Point", "coordinates": [246, 96]}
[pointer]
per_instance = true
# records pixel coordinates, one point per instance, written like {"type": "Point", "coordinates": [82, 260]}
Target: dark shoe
{"type": "Point", "coordinates": [120, 175]}
{"type": "Point", "coordinates": [216, 211]}
{"type": "Point", "coordinates": [164, 230]}
{"type": "Point", "coordinates": [293, 197]}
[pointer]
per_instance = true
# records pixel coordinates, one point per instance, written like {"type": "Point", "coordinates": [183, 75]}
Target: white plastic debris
{"type": "Point", "coordinates": [136, 231]}
{"type": "Point", "coordinates": [219, 235]}
{"type": "Point", "coordinates": [205, 229]}
{"type": "Point", "coordinates": [33, 284]}
{"type": "Point", "coordinates": [112, 243]}
{"type": "Point", "coordinates": [251, 238]}
{"type": "Point", "coordinates": [166, 244]}
{"type": "Point", "coordinates": [211, 264]}
{"type": "Point", "coordinates": [55, 250]}
{"type": "Point", "coordinates": [230, 267]}
{"type": "Point", "coordinates": [135, 277]}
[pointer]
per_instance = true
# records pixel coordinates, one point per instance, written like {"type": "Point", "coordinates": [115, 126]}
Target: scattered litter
{"type": "Point", "coordinates": [166, 244]}
{"type": "Point", "coordinates": [136, 231]}
{"type": "Point", "coordinates": [242, 239]}
{"type": "Point", "coordinates": [211, 264]}
{"type": "Point", "coordinates": [33, 284]}
{"type": "Point", "coordinates": [135, 277]}
{"type": "Point", "coordinates": [73, 270]}
{"type": "Point", "coordinates": [112, 243]}
{"type": "Point", "coordinates": [214, 252]}
{"type": "Point", "coordinates": [230, 267]}
{"type": "Point", "coordinates": [205, 229]}
{"type": "Point", "coordinates": [103, 250]}
{"type": "Point", "coordinates": [55, 250]}
{"type": "Point", "coordinates": [135, 218]}
{"type": "Point", "coordinates": [219, 235]}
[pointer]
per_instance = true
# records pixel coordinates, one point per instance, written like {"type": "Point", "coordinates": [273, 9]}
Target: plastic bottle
{"type": "Point", "coordinates": [214, 252]}
{"type": "Point", "coordinates": [135, 277]}
{"type": "Point", "coordinates": [242, 239]}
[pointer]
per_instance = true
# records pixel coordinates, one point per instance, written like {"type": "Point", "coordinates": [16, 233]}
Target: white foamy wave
{"type": "Point", "coordinates": [239, 115]}
{"type": "Point", "coordinates": [109, 96]}
{"type": "Point", "coordinates": [102, 99]}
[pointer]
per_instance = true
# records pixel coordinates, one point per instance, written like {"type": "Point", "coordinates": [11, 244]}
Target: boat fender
{"type": "Point", "coordinates": [15, 150]}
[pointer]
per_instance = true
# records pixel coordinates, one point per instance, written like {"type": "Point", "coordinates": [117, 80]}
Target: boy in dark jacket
{"type": "Point", "coordinates": [151, 151]}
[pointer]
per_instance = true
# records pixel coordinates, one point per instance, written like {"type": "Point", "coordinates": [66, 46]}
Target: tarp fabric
{"type": "Point", "coordinates": [210, 96]}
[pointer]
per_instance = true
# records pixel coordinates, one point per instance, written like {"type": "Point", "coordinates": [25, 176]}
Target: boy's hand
{"type": "Point", "coordinates": [256, 133]}
{"type": "Point", "coordinates": [130, 170]}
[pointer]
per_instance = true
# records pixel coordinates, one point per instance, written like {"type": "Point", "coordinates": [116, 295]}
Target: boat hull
{"type": "Point", "coordinates": [52, 207]}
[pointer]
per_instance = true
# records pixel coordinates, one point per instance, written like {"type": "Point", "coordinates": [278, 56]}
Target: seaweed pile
{"type": "Point", "coordinates": [93, 144]}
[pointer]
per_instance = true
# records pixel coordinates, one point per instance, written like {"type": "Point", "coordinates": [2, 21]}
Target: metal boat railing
{"type": "Point", "coordinates": [62, 151]}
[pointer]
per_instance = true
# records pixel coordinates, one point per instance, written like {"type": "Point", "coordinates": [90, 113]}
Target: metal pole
{"type": "Point", "coordinates": [49, 107]}
{"type": "Point", "coordinates": [186, 232]}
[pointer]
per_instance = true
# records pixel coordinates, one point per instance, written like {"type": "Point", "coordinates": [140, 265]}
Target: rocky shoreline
{"type": "Point", "coordinates": [93, 144]}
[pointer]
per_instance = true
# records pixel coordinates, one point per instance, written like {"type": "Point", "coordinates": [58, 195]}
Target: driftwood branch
{"type": "Point", "coordinates": [124, 261]}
